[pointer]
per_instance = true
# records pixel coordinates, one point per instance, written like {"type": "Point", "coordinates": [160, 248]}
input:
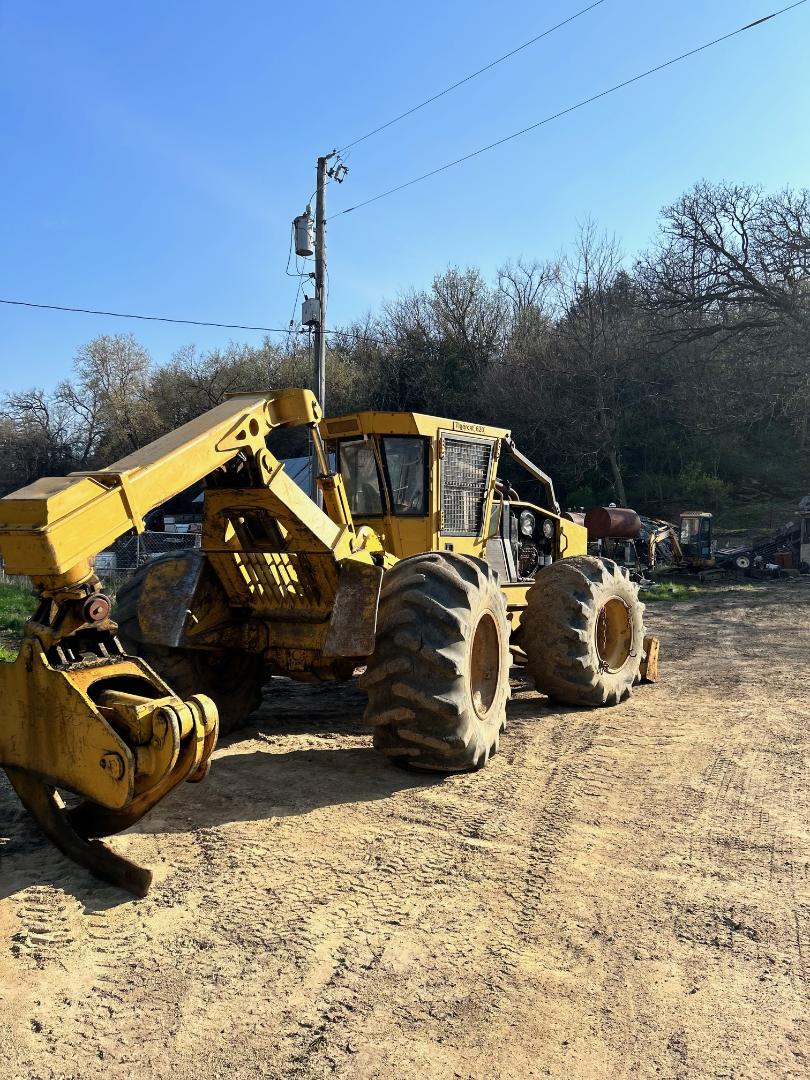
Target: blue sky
{"type": "Point", "coordinates": [154, 154]}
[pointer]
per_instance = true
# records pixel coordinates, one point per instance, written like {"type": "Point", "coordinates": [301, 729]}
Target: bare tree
{"type": "Point", "coordinates": [596, 353]}
{"type": "Point", "coordinates": [731, 259]}
{"type": "Point", "coordinates": [727, 287]}
{"type": "Point", "coordinates": [110, 395]}
{"type": "Point", "coordinates": [36, 437]}
{"type": "Point", "coordinates": [528, 288]}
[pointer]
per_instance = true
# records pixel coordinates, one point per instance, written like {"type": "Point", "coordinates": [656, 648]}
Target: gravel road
{"type": "Point", "coordinates": [620, 893]}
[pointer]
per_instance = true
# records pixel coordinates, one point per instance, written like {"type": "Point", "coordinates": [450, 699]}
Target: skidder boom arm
{"type": "Point", "coordinates": [76, 712]}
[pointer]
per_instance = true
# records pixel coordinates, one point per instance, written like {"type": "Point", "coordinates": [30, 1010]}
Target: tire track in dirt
{"type": "Point", "coordinates": [322, 947]}
{"type": "Point", "coordinates": [323, 914]}
{"type": "Point", "coordinates": [735, 832]}
{"type": "Point", "coordinates": [735, 808]}
{"type": "Point", "coordinates": [568, 746]}
{"type": "Point", "coordinates": [37, 880]}
{"type": "Point", "coordinates": [122, 1011]}
{"type": "Point", "coordinates": [392, 891]}
{"type": "Point", "coordinates": [47, 924]}
{"type": "Point", "coordinates": [268, 910]}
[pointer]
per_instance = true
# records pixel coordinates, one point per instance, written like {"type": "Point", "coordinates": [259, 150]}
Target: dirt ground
{"type": "Point", "coordinates": [620, 893]}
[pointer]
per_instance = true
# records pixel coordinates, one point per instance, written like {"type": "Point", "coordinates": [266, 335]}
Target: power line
{"type": "Point", "coordinates": [572, 108]}
{"type": "Point", "coordinates": [473, 75]}
{"type": "Point", "coordinates": [144, 318]}
{"type": "Point", "coordinates": [347, 333]}
{"type": "Point", "coordinates": [184, 322]}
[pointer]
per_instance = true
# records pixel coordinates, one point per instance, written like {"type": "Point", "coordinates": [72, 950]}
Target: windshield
{"type": "Point", "coordinates": [360, 478]}
{"type": "Point", "coordinates": [405, 465]}
{"type": "Point", "coordinates": [690, 526]}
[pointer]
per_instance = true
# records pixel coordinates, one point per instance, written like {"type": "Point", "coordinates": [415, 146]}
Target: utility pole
{"type": "Point", "coordinates": [319, 351]}
{"type": "Point", "coordinates": [319, 376]}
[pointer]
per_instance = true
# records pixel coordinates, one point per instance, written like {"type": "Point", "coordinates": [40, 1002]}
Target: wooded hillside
{"type": "Point", "coordinates": [682, 377]}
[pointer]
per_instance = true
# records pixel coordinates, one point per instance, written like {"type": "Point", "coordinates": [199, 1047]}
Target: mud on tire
{"type": "Point", "coordinates": [583, 631]}
{"type": "Point", "coordinates": [438, 680]}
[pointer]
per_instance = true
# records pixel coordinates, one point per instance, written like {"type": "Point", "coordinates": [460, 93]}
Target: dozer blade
{"type": "Point", "coordinates": [48, 810]}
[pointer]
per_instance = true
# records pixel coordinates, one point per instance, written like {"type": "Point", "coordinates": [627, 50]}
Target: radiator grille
{"type": "Point", "coordinates": [465, 471]}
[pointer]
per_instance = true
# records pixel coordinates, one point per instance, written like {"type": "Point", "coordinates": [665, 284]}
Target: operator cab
{"type": "Point", "coordinates": [696, 535]}
{"type": "Point", "coordinates": [423, 483]}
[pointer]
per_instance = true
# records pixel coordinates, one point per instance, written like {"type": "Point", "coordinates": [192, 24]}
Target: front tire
{"type": "Point", "coordinates": [583, 632]}
{"type": "Point", "coordinates": [438, 680]}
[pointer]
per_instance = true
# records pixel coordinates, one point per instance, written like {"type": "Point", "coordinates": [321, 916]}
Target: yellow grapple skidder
{"type": "Point", "coordinates": [424, 570]}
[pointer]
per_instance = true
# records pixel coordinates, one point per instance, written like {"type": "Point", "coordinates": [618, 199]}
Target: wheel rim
{"type": "Point", "coordinates": [614, 634]}
{"type": "Point", "coordinates": [485, 664]}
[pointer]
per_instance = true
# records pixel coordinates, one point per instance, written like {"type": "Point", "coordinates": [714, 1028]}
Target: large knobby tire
{"type": "Point", "coordinates": [438, 680]}
{"type": "Point", "coordinates": [583, 631]}
{"type": "Point", "coordinates": [232, 679]}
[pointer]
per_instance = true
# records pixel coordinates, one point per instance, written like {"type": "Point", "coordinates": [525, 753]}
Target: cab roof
{"type": "Point", "coordinates": [403, 423]}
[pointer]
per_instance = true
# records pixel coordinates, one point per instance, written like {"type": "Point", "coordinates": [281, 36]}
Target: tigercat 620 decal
{"type": "Point", "coordinates": [472, 429]}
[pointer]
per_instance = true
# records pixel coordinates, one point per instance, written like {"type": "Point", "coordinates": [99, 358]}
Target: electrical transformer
{"type": "Point", "coordinates": [310, 311]}
{"type": "Point", "coordinates": [304, 239]}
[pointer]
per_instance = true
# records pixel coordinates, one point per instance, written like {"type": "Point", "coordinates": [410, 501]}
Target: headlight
{"type": "Point", "coordinates": [526, 523]}
{"type": "Point", "coordinates": [548, 528]}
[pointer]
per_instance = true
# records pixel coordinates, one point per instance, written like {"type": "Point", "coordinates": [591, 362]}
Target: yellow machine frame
{"type": "Point", "coordinates": [404, 536]}
{"type": "Point", "coordinates": [80, 714]}
{"type": "Point", "coordinates": [278, 577]}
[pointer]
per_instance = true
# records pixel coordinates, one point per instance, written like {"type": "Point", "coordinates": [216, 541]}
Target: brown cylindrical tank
{"type": "Point", "coordinates": [784, 560]}
{"type": "Point", "coordinates": [615, 521]}
{"type": "Point", "coordinates": [573, 515]}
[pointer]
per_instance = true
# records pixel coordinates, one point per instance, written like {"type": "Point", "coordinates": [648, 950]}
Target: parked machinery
{"type": "Point", "coordinates": [647, 545]}
{"type": "Point", "coordinates": [423, 568]}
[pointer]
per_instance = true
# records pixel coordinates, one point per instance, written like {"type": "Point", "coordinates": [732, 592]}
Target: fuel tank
{"type": "Point", "coordinates": [573, 515]}
{"type": "Point", "coordinates": [614, 521]}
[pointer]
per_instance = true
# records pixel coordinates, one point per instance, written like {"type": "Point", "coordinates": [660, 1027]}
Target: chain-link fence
{"type": "Point", "coordinates": [7, 579]}
{"type": "Point", "coordinates": [119, 562]}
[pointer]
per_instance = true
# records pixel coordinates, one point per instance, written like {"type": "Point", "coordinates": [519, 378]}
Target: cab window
{"type": "Point", "coordinates": [690, 527]}
{"type": "Point", "coordinates": [358, 468]}
{"type": "Point", "coordinates": [406, 463]}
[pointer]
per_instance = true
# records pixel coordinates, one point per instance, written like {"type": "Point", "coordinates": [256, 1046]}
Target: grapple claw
{"type": "Point", "coordinates": [90, 819]}
{"type": "Point", "coordinates": [106, 728]}
{"type": "Point", "coordinates": [47, 808]}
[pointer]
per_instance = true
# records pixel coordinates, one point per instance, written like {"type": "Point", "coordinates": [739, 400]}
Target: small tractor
{"type": "Point", "coordinates": [423, 570]}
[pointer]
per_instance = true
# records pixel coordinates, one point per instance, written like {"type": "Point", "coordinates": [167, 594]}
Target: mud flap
{"type": "Point", "coordinates": [168, 591]}
{"type": "Point", "coordinates": [353, 626]}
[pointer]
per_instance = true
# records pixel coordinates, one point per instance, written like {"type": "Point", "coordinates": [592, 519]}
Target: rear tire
{"type": "Point", "coordinates": [234, 680]}
{"type": "Point", "coordinates": [583, 632]}
{"type": "Point", "coordinates": [438, 680]}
